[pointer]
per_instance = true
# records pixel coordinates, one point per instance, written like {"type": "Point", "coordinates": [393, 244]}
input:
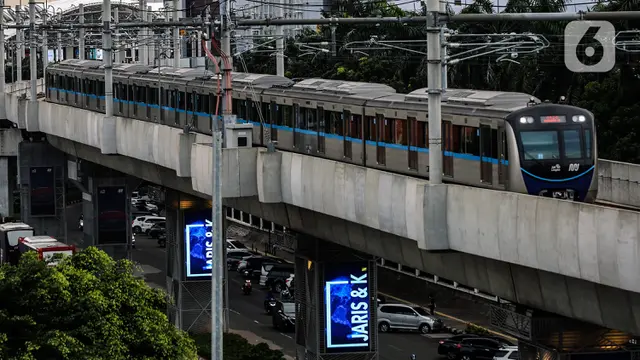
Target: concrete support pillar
{"type": "Point", "coordinates": [42, 181]}
{"type": "Point", "coordinates": [68, 52]}
{"type": "Point", "coordinates": [188, 274]}
{"type": "Point", "coordinates": [6, 201]}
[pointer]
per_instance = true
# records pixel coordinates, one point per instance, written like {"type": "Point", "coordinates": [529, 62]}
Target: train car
{"type": "Point", "coordinates": [366, 124]}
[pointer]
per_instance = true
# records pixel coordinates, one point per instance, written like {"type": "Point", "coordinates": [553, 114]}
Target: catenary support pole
{"type": "Point", "coordinates": [116, 19]}
{"type": "Point", "coordinates": [59, 55]}
{"type": "Point", "coordinates": [280, 43]}
{"type": "Point", "coordinates": [45, 47]}
{"type": "Point", "coordinates": [19, 46]}
{"type": "Point", "coordinates": [143, 38]}
{"type": "Point", "coordinates": [176, 36]}
{"type": "Point", "coordinates": [107, 59]}
{"type": "Point", "coordinates": [3, 110]}
{"type": "Point", "coordinates": [33, 51]}
{"type": "Point", "coordinates": [81, 50]}
{"type": "Point", "coordinates": [443, 49]}
{"type": "Point", "coordinates": [434, 90]}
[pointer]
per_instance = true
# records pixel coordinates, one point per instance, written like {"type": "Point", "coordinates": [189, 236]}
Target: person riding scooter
{"type": "Point", "coordinates": [269, 302]}
{"type": "Point", "coordinates": [246, 287]}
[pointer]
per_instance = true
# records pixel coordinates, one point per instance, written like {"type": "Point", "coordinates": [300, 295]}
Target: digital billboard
{"type": "Point", "coordinates": [112, 215]}
{"type": "Point", "coordinates": [198, 243]}
{"type": "Point", "coordinates": [347, 307]}
{"type": "Point", "coordinates": [43, 194]}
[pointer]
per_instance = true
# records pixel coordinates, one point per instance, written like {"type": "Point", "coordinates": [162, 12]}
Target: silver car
{"type": "Point", "coordinates": [405, 317]}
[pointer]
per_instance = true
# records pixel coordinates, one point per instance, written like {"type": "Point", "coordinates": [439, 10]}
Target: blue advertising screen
{"type": "Point", "coordinates": [347, 307]}
{"type": "Point", "coordinates": [198, 243]}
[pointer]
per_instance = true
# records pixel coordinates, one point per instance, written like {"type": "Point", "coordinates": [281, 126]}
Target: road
{"type": "Point", "coordinates": [247, 313]}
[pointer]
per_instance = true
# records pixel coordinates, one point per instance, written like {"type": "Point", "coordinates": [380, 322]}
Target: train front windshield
{"type": "Point", "coordinates": [545, 144]}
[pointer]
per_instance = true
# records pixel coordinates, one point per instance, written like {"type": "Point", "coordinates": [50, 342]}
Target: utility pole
{"type": "Point", "coordinates": [107, 60]}
{"type": "Point", "coordinates": [33, 51]}
{"type": "Point", "coordinates": [81, 33]}
{"type": "Point", "coordinates": [19, 45]}
{"type": "Point", "coordinates": [443, 48]}
{"type": "Point", "coordinates": [142, 40]}
{"type": "Point", "coordinates": [279, 43]}
{"type": "Point", "coordinates": [59, 55]}
{"type": "Point", "coordinates": [45, 46]}
{"type": "Point", "coordinates": [176, 37]}
{"type": "Point", "coordinates": [3, 110]}
{"type": "Point", "coordinates": [116, 20]}
{"type": "Point", "coordinates": [434, 90]}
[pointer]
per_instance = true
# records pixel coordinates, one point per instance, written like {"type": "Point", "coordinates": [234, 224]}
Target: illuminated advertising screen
{"type": "Point", "coordinates": [198, 243]}
{"type": "Point", "coordinates": [112, 215]}
{"type": "Point", "coordinates": [43, 195]}
{"type": "Point", "coordinates": [347, 307]}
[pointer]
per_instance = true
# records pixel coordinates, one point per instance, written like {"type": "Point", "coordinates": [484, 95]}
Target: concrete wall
{"type": "Point", "coordinates": [619, 182]}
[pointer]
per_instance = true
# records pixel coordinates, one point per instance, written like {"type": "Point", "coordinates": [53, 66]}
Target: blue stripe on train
{"type": "Point", "coordinates": [302, 131]}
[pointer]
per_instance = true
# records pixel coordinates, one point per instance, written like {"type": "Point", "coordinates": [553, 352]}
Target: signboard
{"type": "Point", "coordinates": [43, 194]}
{"type": "Point", "coordinates": [198, 243]}
{"type": "Point", "coordinates": [553, 119]}
{"type": "Point", "coordinates": [347, 307]}
{"type": "Point", "coordinates": [112, 215]}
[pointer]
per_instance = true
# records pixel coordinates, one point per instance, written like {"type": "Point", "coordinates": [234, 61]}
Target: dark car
{"type": "Point", "coordinates": [284, 316]}
{"type": "Point", "coordinates": [157, 229]}
{"type": "Point", "coordinates": [253, 267]}
{"type": "Point", "coordinates": [235, 256]}
{"type": "Point", "coordinates": [162, 240]}
{"type": "Point", "coordinates": [447, 347]}
{"type": "Point", "coordinates": [275, 276]}
{"type": "Point", "coordinates": [479, 348]}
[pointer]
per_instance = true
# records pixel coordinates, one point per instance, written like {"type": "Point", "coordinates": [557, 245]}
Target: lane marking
{"type": "Point", "coordinates": [394, 347]}
{"type": "Point", "coordinates": [285, 335]}
{"type": "Point", "coordinates": [235, 312]}
{"type": "Point", "coordinates": [454, 318]}
{"type": "Point", "coordinates": [256, 321]}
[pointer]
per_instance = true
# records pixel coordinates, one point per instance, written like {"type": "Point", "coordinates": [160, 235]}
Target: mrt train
{"type": "Point", "coordinates": [497, 140]}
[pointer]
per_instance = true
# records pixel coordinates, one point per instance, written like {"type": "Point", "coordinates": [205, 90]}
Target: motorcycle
{"type": "Point", "coordinates": [246, 287]}
{"type": "Point", "coordinates": [269, 304]}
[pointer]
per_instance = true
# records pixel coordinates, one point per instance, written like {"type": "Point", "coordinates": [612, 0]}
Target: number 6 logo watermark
{"type": "Point", "coordinates": [589, 46]}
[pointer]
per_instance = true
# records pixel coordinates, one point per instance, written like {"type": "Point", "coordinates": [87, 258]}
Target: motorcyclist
{"type": "Point", "coordinates": [270, 296]}
{"type": "Point", "coordinates": [246, 287]}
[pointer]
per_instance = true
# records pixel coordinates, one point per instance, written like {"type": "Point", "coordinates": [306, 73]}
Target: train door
{"type": "Point", "coordinates": [381, 154]}
{"type": "Point", "coordinates": [447, 154]}
{"type": "Point", "coordinates": [347, 150]}
{"type": "Point", "coordinates": [486, 168]}
{"type": "Point", "coordinates": [502, 156]}
{"type": "Point", "coordinates": [323, 124]}
{"type": "Point", "coordinates": [412, 153]}
{"type": "Point", "coordinates": [297, 119]}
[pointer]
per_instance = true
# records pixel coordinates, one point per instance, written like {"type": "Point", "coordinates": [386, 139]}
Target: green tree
{"type": "Point", "coordinates": [235, 347]}
{"type": "Point", "coordinates": [89, 306]}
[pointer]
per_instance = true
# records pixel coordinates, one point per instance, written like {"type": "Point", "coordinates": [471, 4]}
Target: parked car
{"type": "Point", "coordinates": [234, 257]}
{"type": "Point", "coordinates": [157, 229]}
{"type": "Point", "coordinates": [284, 316]}
{"type": "Point", "coordinates": [251, 268]}
{"type": "Point", "coordinates": [405, 317]}
{"type": "Point", "coordinates": [447, 347]}
{"type": "Point", "coordinates": [507, 353]}
{"type": "Point", "coordinates": [235, 244]}
{"type": "Point", "coordinates": [274, 276]}
{"type": "Point", "coordinates": [162, 240]}
{"type": "Point", "coordinates": [480, 348]}
{"type": "Point", "coordinates": [142, 224]}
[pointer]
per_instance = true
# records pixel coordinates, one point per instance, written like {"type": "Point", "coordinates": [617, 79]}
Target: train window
{"type": "Point", "coordinates": [204, 104]}
{"type": "Point", "coordinates": [255, 113]}
{"type": "Point", "coordinates": [540, 145]}
{"type": "Point", "coordinates": [400, 132]}
{"type": "Point", "coordinates": [287, 115]}
{"type": "Point", "coordinates": [266, 112]}
{"type": "Point", "coordinates": [190, 102]}
{"type": "Point", "coordinates": [171, 102]}
{"type": "Point", "coordinates": [572, 147]}
{"type": "Point", "coordinates": [355, 128]}
{"type": "Point", "coordinates": [370, 128]}
{"type": "Point", "coordinates": [587, 143]}
{"type": "Point", "coordinates": [335, 122]}
{"type": "Point", "coordinates": [273, 114]}
{"type": "Point", "coordinates": [181, 100]}
{"type": "Point", "coordinates": [467, 140]}
{"type": "Point", "coordinates": [142, 94]}
{"type": "Point", "coordinates": [421, 133]}
{"type": "Point", "coordinates": [311, 119]}
{"type": "Point", "coordinates": [235, 106]}
{"type": "Point", "coordinates": [387, 130]}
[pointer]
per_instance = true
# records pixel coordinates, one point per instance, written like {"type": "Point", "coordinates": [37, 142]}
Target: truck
{"type": "Point", "coordinates": [45, 246]}
{"type": "Point", "coordinates": [10, 234]}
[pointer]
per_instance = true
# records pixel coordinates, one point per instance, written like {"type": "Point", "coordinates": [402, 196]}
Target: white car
{"type": "Point", "coordinates": [133, 241]}
{"type": "Point", "coordinates": [151, 207]}
{"type": "Point", "coordinates": [507, 353]}
{"type": "Point", "coordinates": [290, 281]}
{"type": "Point", "coordinates": [235, 244]}
{"type": "Point", "coordinates": [142, 224]}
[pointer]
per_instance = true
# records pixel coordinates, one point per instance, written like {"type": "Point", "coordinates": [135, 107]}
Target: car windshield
{"type": "Point", "coordinates": [501, 353]}
{"type": "Point", "coordinates": [421, 311]}
{"type": "Point", "coordinates": [14, 236]}
{"type": "Point", "coordinates": [289, 308]}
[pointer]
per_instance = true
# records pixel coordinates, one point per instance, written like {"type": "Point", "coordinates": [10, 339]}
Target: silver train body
{"type": "Point", "coordinates": [365, 124]}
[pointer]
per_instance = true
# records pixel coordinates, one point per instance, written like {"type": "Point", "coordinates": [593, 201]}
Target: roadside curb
{"type": "Point", "coordinates": [454, 330]}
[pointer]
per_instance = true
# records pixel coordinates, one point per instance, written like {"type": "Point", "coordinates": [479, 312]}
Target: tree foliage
{"type": "Point", "coordinates": [88, 307]}
{"type": "Point", "coordinates": [610, 96]}
{"type": "Point", "coordinates": [235, 347]}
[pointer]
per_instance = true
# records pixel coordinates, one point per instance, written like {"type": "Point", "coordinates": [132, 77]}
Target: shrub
{"type": "Point", "coordinates": [235, 347]}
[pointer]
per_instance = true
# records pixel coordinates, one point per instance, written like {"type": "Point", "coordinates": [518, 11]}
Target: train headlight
{"type": "Point", "coordinates": [578, 118]}
{"type": "Point", "coordinates": [526, 119]}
